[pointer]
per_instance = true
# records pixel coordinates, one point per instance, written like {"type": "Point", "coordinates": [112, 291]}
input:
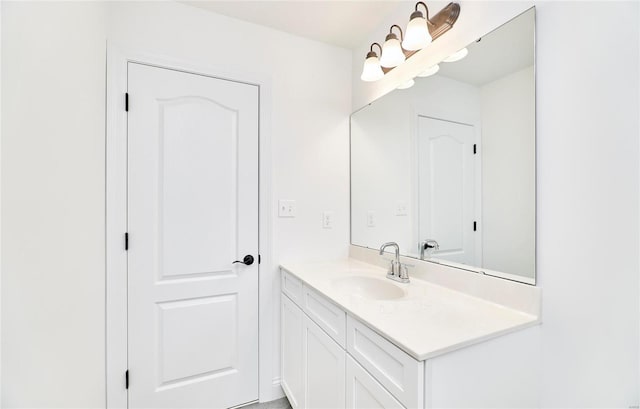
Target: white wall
{"type": "Point", "coordinates": [0, 209]}
{"type": "Point", "coordinates": [53, 95]}
{"type": "Point", "coordinates": [587, 188]}
{"type": "Point", "coordinates": [53, 169]}
{"type": "Point", "coordinates": [508, 180]}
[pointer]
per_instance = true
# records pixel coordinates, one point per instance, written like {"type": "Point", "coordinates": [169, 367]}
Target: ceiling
{"type": "Point", "coordinates": [349, 23]}
{"type": "Point", "coordinates": [503, 51]}
{"type": "Point", "coordinates": [344, 23]}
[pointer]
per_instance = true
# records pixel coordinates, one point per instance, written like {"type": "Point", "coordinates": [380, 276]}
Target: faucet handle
{"type": "Point", "coordinates": [391, 263]}
{"type": "Point", "coordinates": [404, 273]}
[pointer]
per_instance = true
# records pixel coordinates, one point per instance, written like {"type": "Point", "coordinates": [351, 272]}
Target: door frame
{"type": "Point", "coordinates": [116, 219]}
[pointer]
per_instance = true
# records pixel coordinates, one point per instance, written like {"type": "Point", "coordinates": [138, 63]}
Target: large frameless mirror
{"type": "Point", "coordinates": [446, 168]}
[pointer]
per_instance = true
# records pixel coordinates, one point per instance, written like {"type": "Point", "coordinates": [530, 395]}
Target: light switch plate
{"type": "Point", "coordinates": [327, 220]}
{"type": "Point", "coordinates": [286, 208]}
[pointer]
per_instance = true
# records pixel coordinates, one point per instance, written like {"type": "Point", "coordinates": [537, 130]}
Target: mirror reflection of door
{"type": "Point", "coordinates": [446, 174]}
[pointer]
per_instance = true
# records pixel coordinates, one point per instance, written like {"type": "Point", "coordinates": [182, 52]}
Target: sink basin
{"type": "Point", "coordinates": [368, 287]}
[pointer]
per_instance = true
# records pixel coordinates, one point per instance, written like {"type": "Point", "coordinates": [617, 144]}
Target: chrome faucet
{"type": "Point", "coordinates": [428, 245]}
{"type": "Point", "coordinates": [397, 271]}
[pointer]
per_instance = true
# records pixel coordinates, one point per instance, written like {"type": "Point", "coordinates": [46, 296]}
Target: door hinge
{"type": "Point", "coordinates": [259, 258]}
{"type": "Point", "coordinates": [475, 226]}
{"type": "Point", "coordinates": [474, 149]}
{"type": "Point", "coordinates": [126, 379]}
{"type": "Point", "coordinates": [126, 101]}
{"type": "Point", "coordinates": [126, 241]}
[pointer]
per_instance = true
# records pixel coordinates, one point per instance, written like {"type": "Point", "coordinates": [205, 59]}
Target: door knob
{"type": "Point", "coordinates": [247, 260]}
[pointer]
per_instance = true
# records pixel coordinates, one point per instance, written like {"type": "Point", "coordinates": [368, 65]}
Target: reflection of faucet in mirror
{"type": "Point", "coordinates": [397, 271]}
{"type": "Point", "coordinates": [429, 246]}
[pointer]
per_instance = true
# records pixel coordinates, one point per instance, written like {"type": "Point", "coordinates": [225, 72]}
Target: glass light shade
{"type": "Point", "coordinates": [457, 56]}
{"type": "Point", "coordinates": [417, 35]}
{"type": "Point", "coordinates": [392, 54]}
{"type": "Point", "coordinates": [407, 84]}
{"type": "Point", "coordinates": [371, 70]}
{"type": "Point", "coordinates": [429, 71]}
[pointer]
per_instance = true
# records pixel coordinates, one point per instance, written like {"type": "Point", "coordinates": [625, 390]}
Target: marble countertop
{"type": "Point", "coordinates": [430, 320]}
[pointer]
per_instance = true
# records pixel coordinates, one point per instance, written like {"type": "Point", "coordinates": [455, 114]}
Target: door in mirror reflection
{"type": "Point", "coordinates": [446, 188]}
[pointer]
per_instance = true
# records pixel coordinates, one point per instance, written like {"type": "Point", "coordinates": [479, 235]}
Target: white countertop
{"type": "Point", "coordinates": [430, 320]}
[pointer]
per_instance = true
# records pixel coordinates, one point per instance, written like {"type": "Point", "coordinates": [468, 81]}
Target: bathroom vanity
{"type": "Point", "coordinates": [443, 173]}
{"type": "Point", "coordinates": [352, 338]}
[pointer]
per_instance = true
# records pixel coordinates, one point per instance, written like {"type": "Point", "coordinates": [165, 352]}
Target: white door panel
{"type": "Point", "coordinates": [447, 188]}
{"type": "Point", "coordinates": [189, 344]}
{"type": "Point", "coordinates": [193, 210]}
{"type": "Point", "coordinates": [192, 161]}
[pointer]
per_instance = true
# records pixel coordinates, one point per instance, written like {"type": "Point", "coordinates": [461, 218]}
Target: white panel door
{"type": "Point", "coordinates": [323, 368]}
{"type": "Point", "coordinates": [447, 188]}
{"type": "Point", "coordinates": [193, 210]}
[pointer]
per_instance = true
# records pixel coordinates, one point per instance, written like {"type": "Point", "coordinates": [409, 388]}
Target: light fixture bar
{"type": "Point", "coordinates": [444, 20]}
{"type": "Point", "coordinates": [440, 23]}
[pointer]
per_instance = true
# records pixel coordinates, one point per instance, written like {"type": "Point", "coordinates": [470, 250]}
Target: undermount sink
{"type": "Point", "coordinates": [368, 287]}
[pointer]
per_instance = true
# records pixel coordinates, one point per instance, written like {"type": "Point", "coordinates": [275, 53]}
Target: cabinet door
{"type": "Point", "coordinates": [364, 392]}
{"type": "Point", "coordinates": [393, 368]}
{"type": "Point", "coordinates": [324, 368]}
{"type": "Point", "coordinates": [291, 317]}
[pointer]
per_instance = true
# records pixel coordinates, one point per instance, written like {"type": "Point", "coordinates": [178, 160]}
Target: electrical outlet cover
{"type": "Point", "coordinates": [286, 208]}
{"type": "Point", "coordinates": [327, 220]}
{"type": "Point", "coordinates": [371, 218]}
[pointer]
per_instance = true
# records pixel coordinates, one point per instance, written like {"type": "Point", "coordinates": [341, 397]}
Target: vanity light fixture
{"type": "Point", "coordinates": [407, 84]}
{"type": "Point", "coordinates": [421, 31]}
{"type": "Point", "coordinates": [372, 71]}
{"type": "Point", "coordinates": [417, 34]}
{"type": "Point", "coordinates": [392, 54]}
{"type": "Point", "coordinates": [430, 71]}
{"type": "Point", "coordinates": [457, 56]}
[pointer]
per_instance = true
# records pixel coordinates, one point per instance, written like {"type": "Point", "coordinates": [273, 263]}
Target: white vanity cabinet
{"type": "Point", "coordinates": [393, 368]}
{"type": "Point", "coordinates": [291, 323]}
{"type": "Point", "coordinates": [313, 363]}
{"type": "Point", "coordinates": [331, 360]}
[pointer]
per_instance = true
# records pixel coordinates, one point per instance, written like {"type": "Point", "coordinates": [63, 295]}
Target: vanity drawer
{"type": "Point", "coordinates": [398, 372]}
{"type": "Point", "coordinates": [364, 392]}
{"type": "Point", "coordinates": [291, 286]}
{"type": "Point", "coordinates": [324, 313]}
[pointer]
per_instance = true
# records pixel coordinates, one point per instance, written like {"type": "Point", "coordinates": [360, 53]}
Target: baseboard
{"type": "Point", "coordinates": [276, 389]}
